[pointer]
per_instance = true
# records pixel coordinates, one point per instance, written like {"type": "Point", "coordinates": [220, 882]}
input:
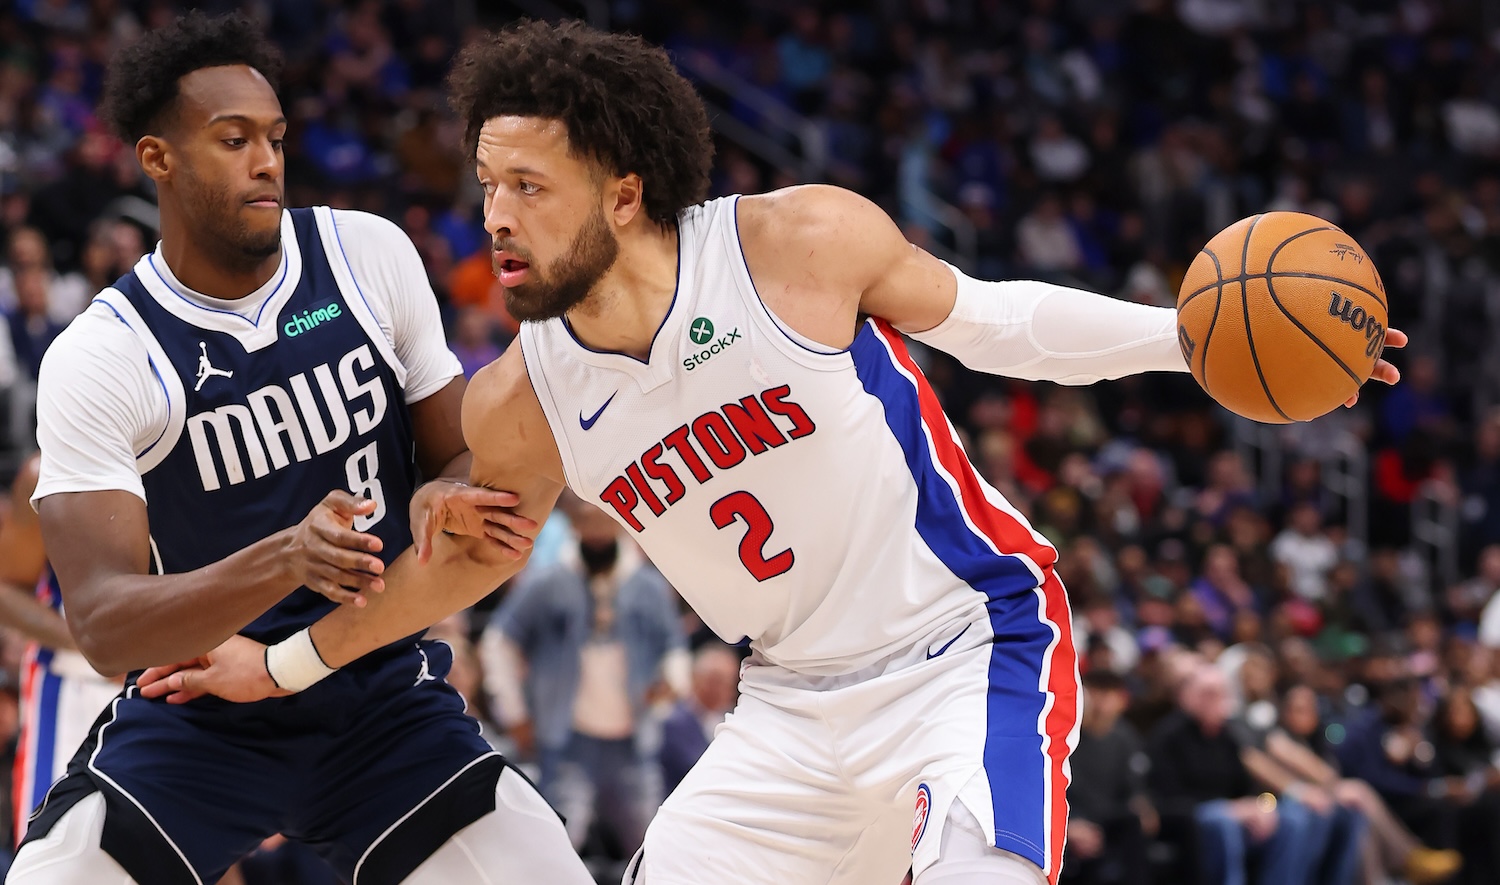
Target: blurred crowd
{"type": "Point", "coordinates": [1291, 659]}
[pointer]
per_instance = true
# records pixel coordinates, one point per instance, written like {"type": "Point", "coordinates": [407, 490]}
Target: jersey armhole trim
{"type": "Point", "coordinates": [800, 348]}
{"type": "Point", "coordinates": [343, 274]}
{"type": "Point", "coordinates": [538, 380]}
{"type": "Point", "coordinates": [169, 381]}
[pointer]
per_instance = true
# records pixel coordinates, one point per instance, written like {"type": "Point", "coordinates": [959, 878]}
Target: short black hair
{"type": "Point", "coordinates": [141, 84]}
{"type": "Point", "coordinates": [625, 106]}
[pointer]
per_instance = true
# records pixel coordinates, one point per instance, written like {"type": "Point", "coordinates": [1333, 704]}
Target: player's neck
{"type": "Point", "coordinates": [212, 269]}
{"type": "Point", "coordinates": [630, 302]}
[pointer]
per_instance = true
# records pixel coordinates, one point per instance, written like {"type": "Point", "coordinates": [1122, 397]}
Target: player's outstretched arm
{"type": "Point", "coordinates": [821, 256]}
{"type": "Point", "coordinates": [1021, 329]}
{"type": "Point", "coordinates": [513, 448]}
{"type": "Point", "coordinates": [124, 618]}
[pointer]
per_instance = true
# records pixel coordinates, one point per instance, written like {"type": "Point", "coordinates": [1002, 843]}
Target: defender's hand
{"type": "Point", "coordinates": [1385, 372]}
{"type": "Point", "coordinates": [235, 671]}
{"type": "Point", "coordinates": [443, 506]}
{"type": "Point", "coordinates": [326, 555]}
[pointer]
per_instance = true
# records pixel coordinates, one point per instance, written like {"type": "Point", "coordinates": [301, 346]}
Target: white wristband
{"type": "Point", "coordinates": [294, 662]}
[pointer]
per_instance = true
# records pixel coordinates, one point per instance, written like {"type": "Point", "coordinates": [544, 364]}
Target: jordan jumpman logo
{"type": "Point", "coordinates": [206, 369]}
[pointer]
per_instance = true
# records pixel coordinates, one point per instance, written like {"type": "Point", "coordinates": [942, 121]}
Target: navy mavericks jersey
{"type": "Point", "coordinates": [263, 425]}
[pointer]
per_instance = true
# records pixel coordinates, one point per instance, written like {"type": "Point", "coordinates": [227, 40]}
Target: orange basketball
{"type": "Point", "coordinates": [1281, 317]}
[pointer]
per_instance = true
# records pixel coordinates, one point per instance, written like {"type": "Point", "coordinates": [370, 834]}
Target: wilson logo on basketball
{"type": "Point", "coordinates": [1340, 306]}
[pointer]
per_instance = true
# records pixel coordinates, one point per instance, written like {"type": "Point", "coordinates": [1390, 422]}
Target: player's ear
{"type": "Point", "coordinates": [151, 153]}
{"type": "Point", "coordinates": [628, 192]}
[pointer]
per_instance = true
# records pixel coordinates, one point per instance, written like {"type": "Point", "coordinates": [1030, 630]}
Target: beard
{"type": "Point", "coordinates": [223, 230]}
{"type": "Point", "coordinates": [568, 280]}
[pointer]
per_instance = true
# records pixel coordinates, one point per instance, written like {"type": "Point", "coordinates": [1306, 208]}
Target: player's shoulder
{"type": "Point", "coordinates": [367, 231]}
{"type": "Point", "coordinates": [375, 246]}
{"type": "Point", "coordinates": [805, 209]}
{"type": "Point", "coordinates": [809, 223]}
{"type": "Point", "coordinates": [98, 337]}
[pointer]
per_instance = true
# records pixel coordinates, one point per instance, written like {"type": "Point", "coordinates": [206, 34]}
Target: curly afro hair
{"type": "Point", "coordinates": [625, 106]}
{"type": "Point", "coordinates": [140, 87]}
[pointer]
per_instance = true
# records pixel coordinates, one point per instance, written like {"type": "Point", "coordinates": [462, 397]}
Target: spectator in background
{"type": "Point", "coordinates": [1057, 156]}
{"type": "Point", "coordinates": [1101, 623]}
{"type": "Point", "coordinates": [1419, 404]}
{"type": "Point", "coordinates": [26, 250]}
{"type": "Point", "coordinates": [1480, 481]}
{"type": "Point", "coordinates": [1484, 683]}
{"type": "Point", "coordinates": [1300, 743]}
{"type": "Point", "coordinates": [1306, 552]}
{"type": "Point", "coordinates": [1464, 754]}
{"type": "Point", "coordinates": [1338, 828]}
{"type": "Point", "coordinates": [32, 329]}
{"type": "Point", "coordinates": [97, 270]}
{"type": "Point", "coordinates": [1197, 775]}
{"type": "Point", "coordinates": [1487, 584]}
{"type": "Point", "coordinates": [689, 728]}
{"type": "Point", "coordinates": [1111, 818]}
{"type": "Point", "coordinates": [474, 340]}
{"type": "Point", "coordinates": [1046, 241]}
{"type": "Point", "coordinates": [575, 652]}
{"type": "Point", "coordinates": [1387, 748]}
{"type": "Point", "coordinates": [1221, 592]}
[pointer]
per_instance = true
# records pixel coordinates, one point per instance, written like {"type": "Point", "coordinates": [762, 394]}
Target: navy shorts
{"type": "Point", "coordinates": [373, 768]}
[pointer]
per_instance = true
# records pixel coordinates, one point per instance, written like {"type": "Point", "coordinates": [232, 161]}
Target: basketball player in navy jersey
{"type": "Point", "coordinates": [727, 380]}
{"type": "Point", "coordinates": [61, 695]}
{"type": "Point", "coordinates": [232, 441]}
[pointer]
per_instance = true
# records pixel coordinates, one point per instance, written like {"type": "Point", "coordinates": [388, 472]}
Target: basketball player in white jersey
{"type": "Point", "coordinates": [729, 381]}
{"type": "Point", "coordinates": [61, 694]}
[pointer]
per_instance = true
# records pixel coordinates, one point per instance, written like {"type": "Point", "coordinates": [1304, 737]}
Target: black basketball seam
{"type": "Point", "coordinates": [1329, 278]}
{"type": "Point", "coordinates": [1213, 321]}
{"type": "Point", "coordinates": [1305, 275]}
{"type": "Point", "coordinates": [1316, 340]}
{"type": "Point", "coordinates": [1244, 276]}
{"type": "Point", "coordinates": [1250, 336]}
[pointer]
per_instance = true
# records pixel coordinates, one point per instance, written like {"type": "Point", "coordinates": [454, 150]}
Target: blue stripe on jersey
{"type": "Point", "coordinates": [940, 518]}
{"type": "Point", "coordinates": [159, 380]}
{"type": "Point", "coordinates": [1013, 760]}
{"type": "Point", "coordinates": [46, 737]}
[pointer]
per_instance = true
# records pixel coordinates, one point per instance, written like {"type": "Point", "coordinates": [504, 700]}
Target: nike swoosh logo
{"type": "Point", "coordinates": [589, 422]}
{"type": "Point", "coordinates": [946, 645]}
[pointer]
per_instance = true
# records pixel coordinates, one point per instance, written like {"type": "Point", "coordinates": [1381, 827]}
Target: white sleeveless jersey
{"type": "Point", "coordinates": [816, 502]}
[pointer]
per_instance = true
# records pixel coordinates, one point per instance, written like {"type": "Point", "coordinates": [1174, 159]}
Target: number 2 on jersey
{"type": "Point", "coordinates": [758, 528]}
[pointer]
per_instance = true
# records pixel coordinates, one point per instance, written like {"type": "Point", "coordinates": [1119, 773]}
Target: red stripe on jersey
{"type": "Point", "coordinates": [1009, 536]}
{"type": "Point", "coordinates": [22, 786]}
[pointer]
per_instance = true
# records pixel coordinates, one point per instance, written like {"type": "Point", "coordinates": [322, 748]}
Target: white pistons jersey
{"type": "Point", "coordinates": [814, 501]}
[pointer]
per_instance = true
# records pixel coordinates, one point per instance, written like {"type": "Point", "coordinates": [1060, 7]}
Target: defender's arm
{"type": "Point", "coordinates": [513, 449]}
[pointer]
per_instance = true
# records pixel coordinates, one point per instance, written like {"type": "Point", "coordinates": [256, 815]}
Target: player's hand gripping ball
{"type": "Point", "coordinates": [1282, 317]}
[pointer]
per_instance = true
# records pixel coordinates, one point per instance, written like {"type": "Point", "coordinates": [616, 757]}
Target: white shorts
{"type": "Point", "coordinates": [837, 780]}
{"type": "Point", "coordinates": [61, 696]}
